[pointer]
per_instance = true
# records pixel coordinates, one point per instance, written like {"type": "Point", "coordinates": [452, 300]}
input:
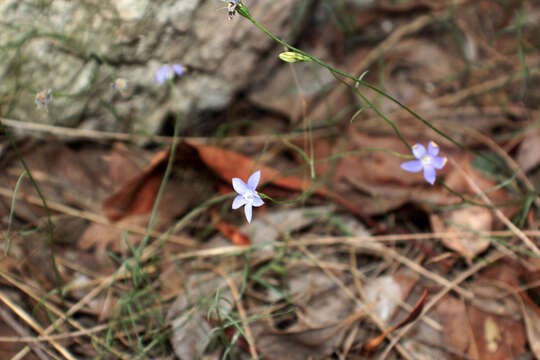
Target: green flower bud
{"type": "Point", "coordinates": [292, 57]}
{"type": "Point", "coordinates": [243, 11]}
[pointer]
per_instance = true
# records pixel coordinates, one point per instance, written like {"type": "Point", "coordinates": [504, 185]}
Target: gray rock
{"type": "Point", "coordinates": [78, 49]}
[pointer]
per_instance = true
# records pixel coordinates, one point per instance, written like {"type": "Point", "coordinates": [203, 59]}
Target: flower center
{"type": "Point", "coordinates": [427, 160]}
{"type": "Point", "coordinates": [249, 195]}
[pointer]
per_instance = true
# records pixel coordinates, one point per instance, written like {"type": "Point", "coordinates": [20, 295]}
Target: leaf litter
{"type": "Point", "coordinates": [321, 278]}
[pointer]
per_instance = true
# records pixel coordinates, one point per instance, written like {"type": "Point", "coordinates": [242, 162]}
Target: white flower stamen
{"type": "Point", "coordinates": [427, 160]}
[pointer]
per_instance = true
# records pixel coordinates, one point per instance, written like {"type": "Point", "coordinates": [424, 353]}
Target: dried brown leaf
{"type": "Point", "coordinates": [457, 331]}
{"type": "Point", "coordinates": [371, 345]}
{"type": "Point", "coordinates": [528, 156]}
{"type": "Point", "coordinates": [228, 164]}
{"type": "Point", "coordinates": [473, 219]}
{"type": "Point", "coordinates": [497, 337]}
{"type": "Point", "coordinates": [138, 194]}
{"type": "Point", "coordinates": [531, 316]}
{"type": "Point", "coordinates": [232, 233]}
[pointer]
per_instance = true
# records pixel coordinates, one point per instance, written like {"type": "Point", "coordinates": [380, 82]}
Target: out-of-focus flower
{"type": "Point", "coordinates": [167, 72]}
{"type": "Point", "coordinates": [292, 57]}
{"type": "Point", "coordinates": [120, 84]}
{"type": "Point", "coordinates": [247, 196]}
{"type": "Point", "coordinates": [426, 160]}
{"type": "Point", "coordinates": [43, 98]}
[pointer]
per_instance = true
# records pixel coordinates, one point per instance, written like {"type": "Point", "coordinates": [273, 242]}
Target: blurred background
{"type": "Point", "coordinates": [78, 49]}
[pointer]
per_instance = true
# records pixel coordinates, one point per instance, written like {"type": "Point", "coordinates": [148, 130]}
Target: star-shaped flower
{"type": "Point", "coordinates": [167, 72]}
{"type": "Point", "coordinates": [247, 196]}
{"type": "Point", "coordinates": [426, 160]}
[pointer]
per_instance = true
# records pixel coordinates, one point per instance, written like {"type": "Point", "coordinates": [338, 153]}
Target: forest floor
{"type": "Point", "coordinates": [125, 245]}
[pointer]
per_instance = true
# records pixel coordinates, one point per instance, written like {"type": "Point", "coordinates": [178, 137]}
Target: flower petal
{"type": "Point", "coordinates": [239, 186]}
{"type": "Point", "coordinates": [178, 69]}
{"type": "Point", "coordinates": [412, 166]}
{"type": "Point", "coordinates": [418, 151]}
{"type": "Point", "coordinates": [253, 180]}
{"type": "Point", "coordinates": [439, 162]}
{"type": "Point", "coordinates": [238, 202]}
{"type": "Point", "coordinates": [161, 74]}
{"type": "Point", "coordinates": [248, 210]}
{"type": "Point", "coordinates": [257, 201]}
{"type": "Point", "coordinates": [429, 174]}
{"type": "Point", "coordinates": [433, 149]}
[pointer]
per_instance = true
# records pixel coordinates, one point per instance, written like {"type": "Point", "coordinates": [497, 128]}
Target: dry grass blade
{"type": "Point", "coordinates": [99, 219]}
{"type": "Point", "coordinates": [8, 319]}
{"type": "Point", "coordinates": [34, 324]}
{"type": "Point", "coordinates": [380, 324]}
{"type": "Point", "coordinates": [241, 312]}
{"type": "Point", "coordinates": [435, 299]}
{"type": "Point", "coordinates": [498, 212]}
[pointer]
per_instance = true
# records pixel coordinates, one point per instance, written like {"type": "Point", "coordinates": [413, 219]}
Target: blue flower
{"type": "Point", "coordinates": [426, 160]}
{"type": "Point", "coordinates": [167, 72]}
{"type": "Point", "coordinates": [247, 196]}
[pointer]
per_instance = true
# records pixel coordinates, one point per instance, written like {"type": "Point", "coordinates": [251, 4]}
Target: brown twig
{"type": "Point", "coordinates": [8, 319]}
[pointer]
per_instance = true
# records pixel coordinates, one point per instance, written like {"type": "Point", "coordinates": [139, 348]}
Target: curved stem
{"type": "Point", "coordinates": [243, 11]}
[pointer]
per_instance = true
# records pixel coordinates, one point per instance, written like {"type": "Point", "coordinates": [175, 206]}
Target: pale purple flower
{"type": "Point", "coordinates": [247, 196]}
{"type": "Point", "coordinates": [167, 72]}
{"type": "Point", "coordinates": [426, 160]}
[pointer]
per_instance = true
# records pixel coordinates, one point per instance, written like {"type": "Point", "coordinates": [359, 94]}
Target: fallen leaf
{"type": "Point", "coordinates": [457, 331]}
{"type": "Point", "coordinates": [137, 195]}
{"type": "Point", "coordinates": [123, 162]}
{"type": "Point", "coordinates": [319, 325]}
{"type": "Point", "coordinates": [107, 237]}
{"type": "Point", "coordinates": [66, 176]}
{"type": "Point", "coordinates": [531, 316]}
{"type": "Point", "coordinates": [386, 293]}
{"type": "Point", "coordinates": [468, 219]}
{"type": "Point", "coordinates": [188, 315]}
{"type": "Point", "coordinates": [497, 337]}
{"type": "Point", "coordinates": [233, 234]}
{"type": "Point", "coordinates": [229, 164]}
{"type": "Point", "coordinates": [528, 156]}
{"type": "Point", "coordinates": [371, 345]}
{"type": "Point", "coordinates": [532, 275]}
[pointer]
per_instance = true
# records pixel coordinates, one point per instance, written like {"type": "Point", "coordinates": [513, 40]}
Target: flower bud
{"type": "Point", "coordinates": [292, 57]}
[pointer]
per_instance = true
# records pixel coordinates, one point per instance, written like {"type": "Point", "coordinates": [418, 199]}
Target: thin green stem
{"type": "Point", "coordinates": [242, 10]}
{"type": "Point", "coordinates": [12, 212]}
{"type": "Point", "coordinates": [168, 170]}
{"type": "Point", "coordinates": [50, 225]}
